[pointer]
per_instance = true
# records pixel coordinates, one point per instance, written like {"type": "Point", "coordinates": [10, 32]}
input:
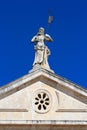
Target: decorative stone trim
{"type": "Point", "coordinates": [42, 101]}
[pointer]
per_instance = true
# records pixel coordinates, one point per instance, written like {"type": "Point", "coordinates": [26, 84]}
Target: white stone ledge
{"type": "Point", "coordinates": [27, 78]}
{"type": "Point", "coordinates": [44, 122]}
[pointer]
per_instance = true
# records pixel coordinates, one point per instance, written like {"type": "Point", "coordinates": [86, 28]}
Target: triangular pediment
{"type": "Point", "coordinates": [42, 95]}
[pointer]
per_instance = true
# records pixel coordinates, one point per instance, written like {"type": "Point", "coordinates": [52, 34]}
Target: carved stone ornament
{"type": "Point", "coordinates": [41, 101]}
{"type": "Point", "coordinates": [41, 50]}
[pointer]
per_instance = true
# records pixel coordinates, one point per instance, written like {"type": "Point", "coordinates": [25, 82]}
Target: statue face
{"type": "Point", "coordinates": [41, 30]}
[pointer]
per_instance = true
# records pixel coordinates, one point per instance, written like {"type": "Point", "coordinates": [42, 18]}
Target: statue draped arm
{"type": "Point", "coordinates": [48, 38]}
{"type": "Point", "coordinates": [34, 39]}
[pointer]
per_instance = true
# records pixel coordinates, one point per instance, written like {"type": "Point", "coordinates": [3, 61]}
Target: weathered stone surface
{"type": "Point", "coordinates": [43, 100]}
{"type": "Point", "coordinates": [42, 127]}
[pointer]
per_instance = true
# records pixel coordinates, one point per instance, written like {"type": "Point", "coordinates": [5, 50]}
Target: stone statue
{"type": "Point", "coordinates": [41, 50]}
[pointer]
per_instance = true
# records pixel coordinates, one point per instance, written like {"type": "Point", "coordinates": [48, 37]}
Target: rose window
{"type": "Point", "coordinates": [42, 101]}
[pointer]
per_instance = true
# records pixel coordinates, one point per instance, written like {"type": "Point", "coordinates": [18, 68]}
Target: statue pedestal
{"type": "Point", "coordinates": [38, 67]}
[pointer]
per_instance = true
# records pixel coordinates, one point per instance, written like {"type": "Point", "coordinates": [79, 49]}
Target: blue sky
{"type": "Point", "coordinates": [19, 22]}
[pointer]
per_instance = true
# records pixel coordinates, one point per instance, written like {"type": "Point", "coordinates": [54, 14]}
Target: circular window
{"type": "Point", "coordinates": [42, 101]}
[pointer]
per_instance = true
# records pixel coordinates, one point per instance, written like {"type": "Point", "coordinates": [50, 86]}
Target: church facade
{"type": "Point", "coordinates": [42, 100]}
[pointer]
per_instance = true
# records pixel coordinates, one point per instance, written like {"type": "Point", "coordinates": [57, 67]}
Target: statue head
{"type": "Point", "coordinates": [40, 31]}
